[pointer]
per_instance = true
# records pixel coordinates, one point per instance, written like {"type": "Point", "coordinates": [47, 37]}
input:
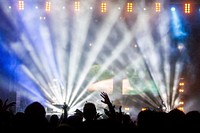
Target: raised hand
{"type": "Point", "coordinates": [5, 106]}
{"type": "Point", "coordinates": [105, 97]}
{"type": "Point", "coordinates": [106, 100]}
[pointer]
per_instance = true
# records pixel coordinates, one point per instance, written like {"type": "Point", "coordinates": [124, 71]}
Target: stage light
{"type": "Point", "coordinates": [181, 108]}
{"type": "Point", "coordinates": [158, 7]}
{"type": "Point", "coordinates": [77, 6]}
{"type": "Point", "coordinates": [173, 9]}
{"type": "Point", "coordinates": [127, 109]}
{"type": "Point", "coordinates": [21, 5]}
{"type": "Point", "coordinates": [181, 90]}
{"type": "Point", "coordinates": [103, 7]}
{"type": "Point", "coordinates": [48, 6]}
{"type": "Point", "coordinates": [143, 109]}
{"type": "Point", "coordinates": [180, 46]}
{"type": "Point", "coordinates": [181, 83]}
{"type": "Point", "coordinates": [129, 7]}
{"type": "Point", "coordinates": [187, 8]}
{"type": "Point", "coordinates": [90, 44]}
{"type": "Point", "coordinates": [57, 57]}
{"type": "Point", "coordinates": [181, 102]}
{"type": "Point", "coordinates": [135, 46]}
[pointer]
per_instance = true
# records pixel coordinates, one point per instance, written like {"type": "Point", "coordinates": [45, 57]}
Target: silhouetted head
{"type": "Point", "coordinates": [54, 118]}
{"type": "Point", "coordinates": [35, 110]}
{"type": "Point", "coordinates": [89, 111]}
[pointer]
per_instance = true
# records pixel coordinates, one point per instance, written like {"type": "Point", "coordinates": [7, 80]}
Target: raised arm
{"type": "Point", "coordinates": [106, 100]}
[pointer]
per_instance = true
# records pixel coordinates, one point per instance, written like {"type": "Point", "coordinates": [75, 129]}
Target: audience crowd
{"type": "Point", "coordinates": [34, 119]}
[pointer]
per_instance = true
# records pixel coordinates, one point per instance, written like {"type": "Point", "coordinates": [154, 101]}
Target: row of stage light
{"type": "Point", "coordinates": [181, 97]}
{"type": "Point", "coordinates": [181, 91]}
{"type": "Point", "coordinates": [103, 7]}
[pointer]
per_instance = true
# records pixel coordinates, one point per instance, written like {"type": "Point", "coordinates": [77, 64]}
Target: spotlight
{"type": "Point", "coordinates": [181, 83]}
{"type": "Point", "coordinates": [181, 108]}
{"type": "Point", "coordinates": [187, 8]}
{"type": "Point", "coordinates": [181, 102]}
{"type": "Point", "coordinates": [21, 5]}
{"type": "Point", "coordinates": [143, 109]}
{"type": "Point", "coordinates": [48, 6]}
{"type": "Point", "coordinates": [158, 7]}
{"type": "Point", "coordinates": [129, 7]}
{"type": "Point", "coordinates": [181, 90]}
{"type": "Point", "coordinates": [173, 9]}
{"type": "Point", "coordinates": [103, 7]}
{"type": "Point", "coordinates": [77, 6]}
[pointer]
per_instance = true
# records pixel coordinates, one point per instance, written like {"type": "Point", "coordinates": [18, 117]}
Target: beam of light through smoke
{"type": "Point", "coordinates": [58, 49]}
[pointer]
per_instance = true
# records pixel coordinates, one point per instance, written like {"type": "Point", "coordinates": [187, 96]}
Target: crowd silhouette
{"type": "Point", "coordinates": [34, 119]}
